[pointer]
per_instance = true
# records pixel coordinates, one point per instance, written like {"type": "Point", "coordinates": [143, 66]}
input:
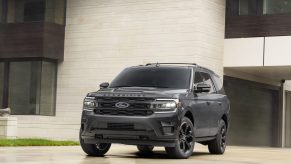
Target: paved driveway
{"type": "Point", "coordinates": [121, 154]}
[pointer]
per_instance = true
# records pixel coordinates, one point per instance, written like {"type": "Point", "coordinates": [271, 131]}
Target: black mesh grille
{"type": "Point", "coordinates": [137, 106]}
{"type": "Point", "coordinates": [131, 106]}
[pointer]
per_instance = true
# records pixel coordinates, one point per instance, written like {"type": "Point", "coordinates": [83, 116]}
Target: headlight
{"type": "Point", "coordinates": [90, 103]}
{"type": "Point", "coordinates": [164, 104]}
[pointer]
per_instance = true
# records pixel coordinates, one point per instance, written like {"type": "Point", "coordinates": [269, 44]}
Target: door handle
{"type": "Point", "coordinates": [208, 103]}
{"type": "Point", "coordinates": [220, 103]}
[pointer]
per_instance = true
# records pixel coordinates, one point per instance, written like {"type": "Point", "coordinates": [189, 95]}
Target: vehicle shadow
{"type": "Point", "coordinates": [134, 157]}
{"type": "Point", "coordinates": [163, 155]}
{"type": "Point", "coordinates": [153, 155]}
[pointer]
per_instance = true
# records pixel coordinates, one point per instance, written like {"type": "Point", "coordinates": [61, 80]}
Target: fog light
{"type": "Point", "coordinates": [168, 130]}
{"type": "Point", "coordinates": [168, 127]}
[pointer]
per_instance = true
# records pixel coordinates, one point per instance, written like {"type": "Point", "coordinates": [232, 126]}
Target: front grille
{"type": "Point", "coordinates": [123, 112]}
{"type": "Point", "coordinates": [137, 106]}
{"type": "Point", "coordinates": [120, 126]}
{"type": "Point", "coordinates": [132, 105]}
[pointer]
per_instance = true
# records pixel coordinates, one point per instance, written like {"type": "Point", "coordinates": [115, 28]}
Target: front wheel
{"type": "Point", "coordinates": [185, 143]}
{"type": "Point", "coordinates": [94, 149]}
{"type": "Point", "coordinates": [218, 145]}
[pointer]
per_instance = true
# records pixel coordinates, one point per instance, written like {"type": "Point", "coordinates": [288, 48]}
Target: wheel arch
{"type": "Point", "coordinates": [189, 115]}
{"type": "Point", "coordinates": [225, 119]}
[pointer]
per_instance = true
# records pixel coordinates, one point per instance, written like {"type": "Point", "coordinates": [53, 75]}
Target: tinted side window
{"type": "Point", "coordinates": [198, 78]}
{"type": "Point", "coordinates": [218, 82]}
{"type": "Point", "coordinates": [202, 77]}
{"type": "Point", "coordinates": [208, 80]}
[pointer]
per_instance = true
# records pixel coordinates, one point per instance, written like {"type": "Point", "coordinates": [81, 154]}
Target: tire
{"type": "Point", "coordinates": [97, 150]}
{"type": "Point", "coordinates": [145, 149]}
{"type": "Point", "coordinates": [218, 145]}
{"type": "Point", "coordinates": [186, 141]}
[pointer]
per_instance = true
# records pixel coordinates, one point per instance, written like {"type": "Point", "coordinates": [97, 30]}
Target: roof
{"type": "Point", "coordinates": [179, 64]}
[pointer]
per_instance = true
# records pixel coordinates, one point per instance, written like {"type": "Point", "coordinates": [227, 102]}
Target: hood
{"type": "Point", "coordinates": [139, 92]}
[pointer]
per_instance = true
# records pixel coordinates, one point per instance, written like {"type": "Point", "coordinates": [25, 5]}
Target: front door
{"type": "Point", "coordinates": [214, 102]}
{"type": "Point", "coordinates": [201, 106]}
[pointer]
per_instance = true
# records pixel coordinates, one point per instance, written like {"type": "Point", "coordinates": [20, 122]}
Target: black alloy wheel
{"type": "Point", "coordinates": [94, 149]}
{"type": "Point", "coordinates": [218, 145]}
{"type": "Point", "coordinates": [186, 141]}
{"type": "Point", "coordinates": [223, 138]}
{"type": "Point", "coordinates": [185, 137]}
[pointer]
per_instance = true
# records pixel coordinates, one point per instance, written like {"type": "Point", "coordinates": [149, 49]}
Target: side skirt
{"type": "Point", "coordinates": [204, 139]}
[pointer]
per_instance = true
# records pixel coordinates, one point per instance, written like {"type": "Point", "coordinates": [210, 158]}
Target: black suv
{"type": "Point", "coordinates": [165, 104]}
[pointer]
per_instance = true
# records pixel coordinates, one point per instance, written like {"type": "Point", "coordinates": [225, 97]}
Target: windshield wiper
{"type": "Point", "coordinates": [123, 86]}
{"type": "Point", "coordinates": [126, 86]}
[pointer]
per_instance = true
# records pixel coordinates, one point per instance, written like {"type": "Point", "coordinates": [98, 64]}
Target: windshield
{"type": "Point", "coordinates": [157, 77]}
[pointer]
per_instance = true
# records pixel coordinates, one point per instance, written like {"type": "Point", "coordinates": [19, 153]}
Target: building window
{"type": "Point", "coordinates": [55, 11]}
{"type": "Point", "coordinates": [48, 89]}
{"type": "Point", "coordinates": [32, 87]}
{"type": "Point", "coordinates": [24, 87]}
{"type": "Point", "coordinates": [277, 6]}
{"type": "Point", "coordinates": [1, 83]}
{"type": "Point", "coordinates": [263, 7]}
{"type": "Point", "coordinates": [247, 7]}
{"type": "Point", "coordinates": [36, 11]}
{"type": "Point", "coordinates": [1, 11]}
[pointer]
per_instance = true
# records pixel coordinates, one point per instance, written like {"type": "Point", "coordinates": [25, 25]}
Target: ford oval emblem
{"type": "Point", "coordinates": [121, 105]}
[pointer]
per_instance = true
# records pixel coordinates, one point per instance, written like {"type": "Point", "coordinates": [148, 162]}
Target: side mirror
{"type": "Point", "coordinates": [104, 85]}
{"type": "Point", "coordinates": [200, 88]}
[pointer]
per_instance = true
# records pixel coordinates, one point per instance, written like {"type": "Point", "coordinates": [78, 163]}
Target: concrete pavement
{"type": "Point", "coordinates": [122, 154]}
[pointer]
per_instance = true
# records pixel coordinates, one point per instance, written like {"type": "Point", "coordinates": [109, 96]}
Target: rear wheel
{"type": "Point", "coordinates": [145, 149]}
{"type": "Point", "coordinates": [94, 149]}
{"type": "Point", "coordinates": [218, 145]}
{"type": "Point", "coordinates": [185, 143]}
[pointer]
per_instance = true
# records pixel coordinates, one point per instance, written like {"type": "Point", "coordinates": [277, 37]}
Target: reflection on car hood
{"type": "Point", "coordinates": [139, 92]}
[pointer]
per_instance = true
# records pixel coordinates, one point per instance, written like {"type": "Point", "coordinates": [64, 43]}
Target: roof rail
{"type": "Point", "coordinates": [157, 64]}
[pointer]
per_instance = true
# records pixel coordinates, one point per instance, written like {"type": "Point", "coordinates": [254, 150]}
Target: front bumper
{"type": "Point", "coordinates": [158, 129]}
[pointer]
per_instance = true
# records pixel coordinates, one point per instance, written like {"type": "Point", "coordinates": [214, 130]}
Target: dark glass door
{"type": "Point", "coordinates": [24, 87]}
{"type": "Point", "coordinates": [28, 87]}
{"type": "Point", "coordinates": [48, 89]}
{"type": "Point", "coordinates": [288, 119]}
{"type": "Point", "coordinates": [1, 83]}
